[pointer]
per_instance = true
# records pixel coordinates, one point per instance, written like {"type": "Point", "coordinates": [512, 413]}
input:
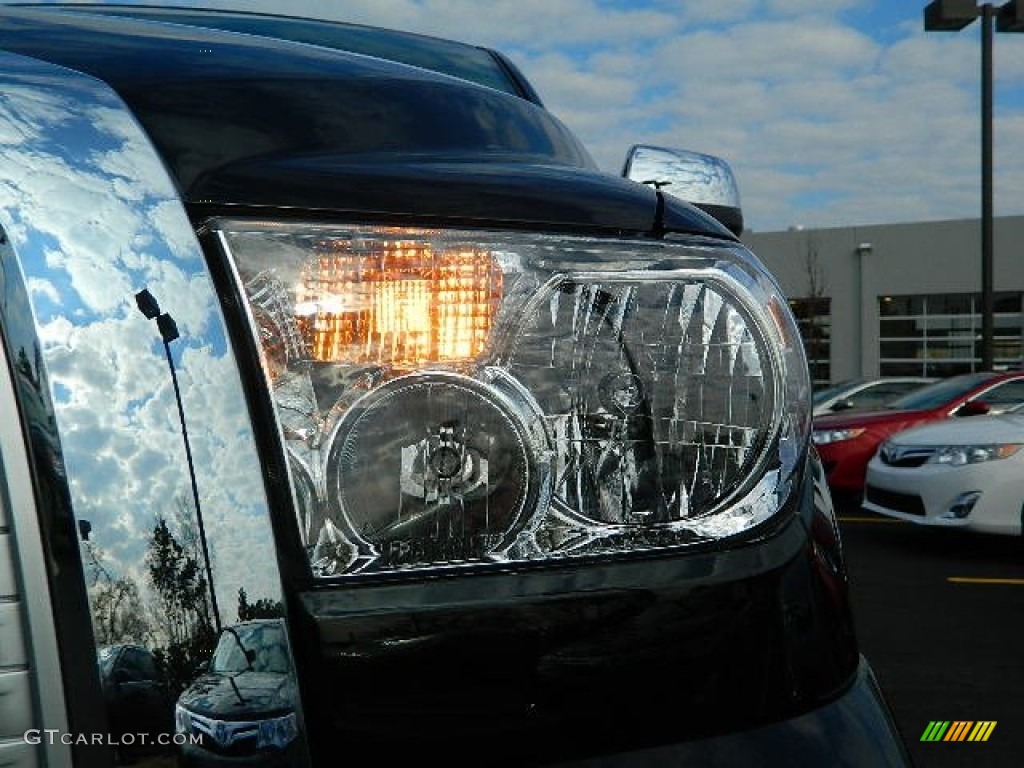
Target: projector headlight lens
{"type": "Point", "coordinates": [458, 398]}
{"type": "Point", "coordinates": [434, 468]}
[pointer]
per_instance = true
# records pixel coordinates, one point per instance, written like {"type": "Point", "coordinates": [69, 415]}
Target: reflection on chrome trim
{"type": "Point", "coordinates": [93, 219]}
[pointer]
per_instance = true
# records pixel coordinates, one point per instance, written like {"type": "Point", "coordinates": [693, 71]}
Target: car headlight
{"type": "Point", "coordinates": [827, 436]}
{"type": "Point", "coordinates": [182, 719]}
{"type": "Point", "coordinates": [454, 397]}
{"type": "Point", "coordinates": [278, 732]}
{"type": "Point", "coordinates": [959, 455]}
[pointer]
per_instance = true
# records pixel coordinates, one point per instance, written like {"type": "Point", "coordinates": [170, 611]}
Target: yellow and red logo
{"type": "Point", "coordinates": [958, 730]}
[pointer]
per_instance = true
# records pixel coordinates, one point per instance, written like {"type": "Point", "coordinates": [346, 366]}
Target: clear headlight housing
{"type": "Point", "coordinates": [959, 455]}
{"type": "Point", "coordinates": [463, 398]}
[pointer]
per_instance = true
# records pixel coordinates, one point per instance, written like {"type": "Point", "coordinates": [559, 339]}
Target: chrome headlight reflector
{"type": "Point", "coordinates": [459, 397]}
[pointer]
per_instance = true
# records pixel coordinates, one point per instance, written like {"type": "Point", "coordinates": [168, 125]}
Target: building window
{"type": "Point", "coordinates": [940, 334]}
{"type": "Point", "coordinates": [814, 317]}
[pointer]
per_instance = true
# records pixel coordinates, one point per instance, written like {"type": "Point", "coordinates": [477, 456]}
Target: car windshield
{"type": "Point", "coordinates": [939, 393]}
{"type": "Point", "coordinates": [266, 643]}
{"type": "Point", "coordinates": [821, 395]}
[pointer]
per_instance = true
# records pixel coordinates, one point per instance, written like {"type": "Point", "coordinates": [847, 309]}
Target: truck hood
{"type": "Point", "coordinates": [468, 187]}
{"type": "Point", "coordinates": [247, 120]}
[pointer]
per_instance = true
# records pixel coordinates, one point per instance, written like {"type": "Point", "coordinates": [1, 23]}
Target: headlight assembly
{"type": "Point", "coordinates": [959, 455]}
{"type": "Point", "coordinates": [277, 732]}
{"type": "Point", "coordinates": [455, 397]}
{"type": "Point", "coordinates": [827, 436]}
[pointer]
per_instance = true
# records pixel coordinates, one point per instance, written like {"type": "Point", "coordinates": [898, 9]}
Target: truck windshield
{"type": "Point", "coordinates": [447, 57]}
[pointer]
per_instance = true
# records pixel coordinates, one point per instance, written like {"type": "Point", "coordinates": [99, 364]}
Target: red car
{"type": "Point", "coordinates": [846, 443]}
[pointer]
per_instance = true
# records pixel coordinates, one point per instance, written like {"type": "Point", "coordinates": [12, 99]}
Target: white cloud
{"type": "Point", "coordinates": [44, 288]}
{"type": "Point", "coordinates": [805, 8]}
{"type": "Point", "coordinates": [24, 109]}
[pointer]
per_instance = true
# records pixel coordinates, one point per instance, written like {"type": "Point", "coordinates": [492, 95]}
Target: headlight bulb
{"type": "Point", "coordinates": [432, 467]}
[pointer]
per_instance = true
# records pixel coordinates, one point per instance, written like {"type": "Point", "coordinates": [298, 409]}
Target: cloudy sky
{"type": "Point", "coordinates": [831, 112]}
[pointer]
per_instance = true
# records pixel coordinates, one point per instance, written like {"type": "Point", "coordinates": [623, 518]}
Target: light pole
{"type": "Point", "coordinates": [864, 251]}
{"type": "Point", "coordinates": [149, 307]}
{"type": "Point", "coordinates": [952, 16]}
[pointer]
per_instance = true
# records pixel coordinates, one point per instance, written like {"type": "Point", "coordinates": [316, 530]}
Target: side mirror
{"type": "Point", "coordinates": [841, 405]}
{"type": "Point", "coordinates": [705, 181]}
{"type": "Point", "coordinates": [973, 408]}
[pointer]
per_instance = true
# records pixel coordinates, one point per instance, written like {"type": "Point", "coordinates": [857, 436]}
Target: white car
{"type": "Point", "coordinates": [962, 473]}
{"type": "Point", "coordinates": [864, 394]}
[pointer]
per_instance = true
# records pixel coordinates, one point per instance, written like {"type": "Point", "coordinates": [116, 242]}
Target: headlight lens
{"type": "Point", "coordinates": [959, 455]}
{"type": "Point", "coordinates": [278, 732]}
{"type": "Point", "coordinates": [827, 436]}
{"type": "Point", "coordinates": [452, 397]}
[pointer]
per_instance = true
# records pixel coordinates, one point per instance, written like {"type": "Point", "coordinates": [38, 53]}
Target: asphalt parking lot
{"type": "Point", "coordinates": [940, 615]}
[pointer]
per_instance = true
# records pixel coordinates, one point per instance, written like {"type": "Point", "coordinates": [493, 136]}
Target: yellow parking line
{"type": "Point", "coordinates": [855, 519]}
{"type": "Point", "coordinates": [969, 580]}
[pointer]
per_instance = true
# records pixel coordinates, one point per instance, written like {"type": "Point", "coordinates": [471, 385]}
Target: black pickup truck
{"type": "Point", "coordinates": [350, 414]}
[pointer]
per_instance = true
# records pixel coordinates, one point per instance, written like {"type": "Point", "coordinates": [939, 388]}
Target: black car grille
{"type": "Point", "coordinates": [898, 502]}
{"type": "Point", "coordinates": [898, 456]}
{"type": "Point", "coordinates": [907, 461]}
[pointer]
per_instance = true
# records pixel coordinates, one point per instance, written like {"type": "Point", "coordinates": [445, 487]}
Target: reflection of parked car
{"type": "Point", "coordinates": [846, 443]}
{"type": "Point", "coordinates": [864, 394]}
{"type": "Point", "coordinates": [244, 705]}
{"type": "Point", "coordinates": [135, 694]}
{"type": "Point", "coordinates": [965, 474]}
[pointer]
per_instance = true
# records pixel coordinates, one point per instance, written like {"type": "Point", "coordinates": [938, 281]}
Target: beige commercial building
{"type": "Point", "coordinates": [899, 299]}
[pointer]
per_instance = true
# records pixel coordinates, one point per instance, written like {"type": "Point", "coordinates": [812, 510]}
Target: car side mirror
{"type": "Point", "coordinates": [841, 405]}
{"type": "Point", "coordinates": [973, 408]}
{"type": "Point", "coordinates": [705, 181]}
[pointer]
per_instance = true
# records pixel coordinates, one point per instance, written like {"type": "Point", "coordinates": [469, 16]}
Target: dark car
{"type": "Point", "coordinates": [847, 442]}
{"type": "Point", "coordinates": [518, 451]}
{"type": "Point", "coordinates": [136, 696]}
{"type": "Point", "coordinates": [245, 704]}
